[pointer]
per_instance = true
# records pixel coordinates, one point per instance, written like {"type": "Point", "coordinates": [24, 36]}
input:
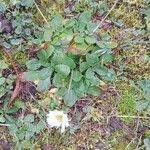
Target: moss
{"type": "Point", "coordinates": [118, 142]}
{"type": "Point", "coordinates": [122, 146]}
{"type": "Point", "coordinates": [127, 105]}
{"type": "Point", "coordinates": [21, 57]}
{"type": "Point", "coordinates": [133, 60]}
{"type": "Point", "coordinates": [147, 134]}
{"type": "Point", "coordinates": [130, 16]}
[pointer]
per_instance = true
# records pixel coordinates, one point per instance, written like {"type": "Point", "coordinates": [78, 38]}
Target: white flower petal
{"type": "Point", "coordinates": [62, 128]}
{"type": "Point", "coordinates": [57, 119]}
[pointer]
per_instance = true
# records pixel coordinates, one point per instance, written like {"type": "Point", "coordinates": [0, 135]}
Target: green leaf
{"type": "Point", "coordinates": [63, 69]}
{"type": "Point", "coordinates": [42, 55]}
{"type": "Point", "coordinates": [147, 58]}
{"type": "Point", "coordinates": [69, 62]}
{"type": "Point", "coordinates": [61, 58]}
{"type": "Point", "coordinates": [69, 23]}
{"type": "Point", "coordinates": [70, 98]}
{"type": "Point", "coordinates": [111, 45]}
{"type": "Point", "coordinates": [11, 110]}
{"type": "Point", "coordinates": [30, 133]}
{"type": "Point", "coordinates": [82, 47]}
{"type": "Point", "coordinates": [145, 85]}
{"type": "Point", "coordinates": [13, 129]}
{"type": "Point", "coordinates": [29, 118]}
{"type": "Point", "coordinates": [107, 45]}
{"type": "Point", "coordinates": [2, 80]}
{"type": "Point", "coordinates": [77, 76]}
{"type": "Point", "coordinates": [18, 30]}
{"type": "Point", "coordinates": [147, 1]}
{"type": "Point", "coordinates": [33, 64]}
{"type": "Point", "coordinates": [79, 88]}
{"type": "Point", "coordinates": [147, 11]}
{"type": "Point", "coordinates": [2, 119]}
{"type": "Point", "coordinates": [142, 105]}
{"type": "Point", "coordinates": [27, 3]}
{"type": "Point", "coordinates": [79, 39]}
{"type": "Point", "coordinates": [90, 75]}
{"type": "Point", "coordinates": [15, 41]}
{"type": "Point", "coordinates": [58, 58]}
{"type": "Point", "coordinates": [43, 84]}
{"type": "Point", "coordinates": [44, 73]}
{"type": "Point", "coordinates": [92, 59]}
{"type": "Point", "coordinates": [25, 144]}
{"type": "Point", "coordinates": [107, 58]}
{"type": "Point", "coordinates": [90, 39]}
{"type": "Point", "coordinates": [40, 126]}
{"type": "Point", "coordinates": [2, 7]}
{"type": "Point", "coordinates": [38, 75]}
{"type": "Point", "coordinates": [61, 91]}
{"type": "Point", "coordinates": [85, 17]}
{"type": "Point", "coordinates": [10, 118]}
{"type": "Point", "coordinates": [83, 66]}
{"type": "Point", "coordinates": [91, 26]}
{"type": "Point", "coordinates": [27, 31]}
{"type": "Point", "coordinates": [147, 143]}
{"type": "Point", "coordinates": [94, 90]}
{"type": "Point", "coordinates": [47, 34]}
{"type": "Point", "coordinates": [66, 37]}
{"type": "Point", "coordinates": [58, 80]}
{"type": "Point", "coordinates": [31, 75]}
{"type": "Point", "coordinates": [81, 27]}
{"type": "Point", "coordinates": [105, 73]}
{"type": "Point", "coordinates": [19, 104]}
{"type": "Point", "coordinates": [56, 22]}
{"type": "Point", "coordinates": [50, 51]}
{"type": "Point", "coordinates": [6, 45]}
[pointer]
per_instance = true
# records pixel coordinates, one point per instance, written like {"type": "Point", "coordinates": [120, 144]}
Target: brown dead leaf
{"type": "Point", "coordinates": [53, 90]}
{"type": "Point", "coordinates": [33, 49]}
{"type": "Point", "coordinates": [34, 110]}
{"type": "Point", "coordinates": [47, 147]}
{"type": "Point", "coordinates": [6, 145]}
{"type": "Point", "coordinates": [103, 86]}
{"type": "Point", "coordinates": [115, 124]}
{"type": "Point", "coordinates": [19, 80]}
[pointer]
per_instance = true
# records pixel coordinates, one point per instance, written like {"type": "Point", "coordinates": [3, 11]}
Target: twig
{"type": "Point", "coordinates": [5, 125]}
{"type": "Point", "coordinates": [137, 126]}
{"type": "Point", "coordinates": [40, 12]}
{"type": "Point", "coordinates": [105, 16]}
{"type": "Point", "coordinates": [70, 82]}
{"type": "Point", "coordinates": [124, 116]}
{"type": "Point", "coordinates": [130, 143]}
{"type": "Point", "coordinates": [142, 147]}
{"type": "Point", "coordinates": [137, 147]}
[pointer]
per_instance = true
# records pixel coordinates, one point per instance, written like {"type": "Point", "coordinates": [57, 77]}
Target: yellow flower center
{"type": "Point", "coordinates": [59, 118]}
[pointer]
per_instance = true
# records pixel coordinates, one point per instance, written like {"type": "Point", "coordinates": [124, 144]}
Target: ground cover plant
{"type": "Point", "coordinates": [75, 74]}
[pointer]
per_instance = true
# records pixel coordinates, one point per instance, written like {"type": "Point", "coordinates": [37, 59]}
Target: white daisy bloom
{"type": "Point", "coordinates": [57, 119]}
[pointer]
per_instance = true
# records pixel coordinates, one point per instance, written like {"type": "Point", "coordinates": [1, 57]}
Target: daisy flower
{"type": "Point", "coordinates": [57, 119]}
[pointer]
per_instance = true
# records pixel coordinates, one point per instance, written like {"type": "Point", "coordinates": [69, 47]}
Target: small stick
{"type": "Point", "coordinates": [5, 125]}
{"type": "Point", "coordinates": [137, 147]}
{"type": "Point", "coordinates": [70, 83]}
{"type": "Point", "coordinates": [105, 16]}
{"type": "Point", "coordinates": [40, 12]}
{"type": "Point", "coordinates": [124, 116]}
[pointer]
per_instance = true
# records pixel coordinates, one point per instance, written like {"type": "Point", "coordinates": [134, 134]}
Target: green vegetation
{"type": "Point", "coordinates": [127, 103]}
{"type": "Point", "coordinates": [88, 59]}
